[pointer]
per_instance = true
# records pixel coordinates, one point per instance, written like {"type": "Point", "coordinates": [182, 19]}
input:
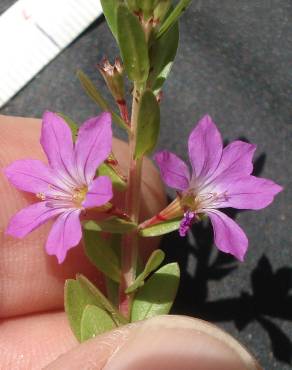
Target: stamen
{"type": "Point", "coordinates": [189, 218]}
{"type": "Point", "coordinates": [197, 201]}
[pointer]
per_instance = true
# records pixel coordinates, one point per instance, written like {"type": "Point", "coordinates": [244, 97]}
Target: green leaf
{"type": "Point", "coordinates": [95, 95]}
{"type": "Point", "coordinates": [132, 5]}
{"type": "Point", "coordinates": [152, 264]}
{"type": "Point", "coordinates": [95, 321]}
{"type": "Point", "coordinates": [109, 8]}
{"type": "Point", "coordinates": [78, 294]}
{"type": "Point", "coordinates": [132, 42]}
{"type": "Point", "coordinates": [161, 10]}
{"type": "Point", "coordinates": [173, 16]}
{"type": "Point", "coordinates": [112, 291]}
{"type": "Point", "coordinates": [103, 302]}
{"type": "Point", "coordinates": [76, 299]}
{"type": "Point", "coordinates": [157, 295]}
{"type": "Point", "coordinates": [112, 225]}
{"type": "Point", "coordinates": [162, 55]}
{"type": "Point", "coordinates": [161, 228]}
{"type": "Point", "coordinates": [107, 170]}
{"type": "Point", "coordinates": [147, 7]}
{"type": "Point", "coordinates": [100, 253]}
{"type": "Point", "coordinates": [73, 125]}
{"type": "Point", "coordinates": [148, 124]}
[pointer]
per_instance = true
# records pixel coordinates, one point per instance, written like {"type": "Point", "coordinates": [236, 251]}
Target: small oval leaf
{"type": "Point", "coordinates": [162, 55]}
{"type": "Point", "coordinates": [158, 293]}
{"type": "Point", "coordinates": [161, 228]}
{"type": "Point", "coordinates": [109, 8]}
{"type": "Point", "coordinates": [73, 125]}
{"type": "Point", "coordinates": [154, 261]}
{"type": "Point", "coordinates": [76, 299]}
{"type": "Point", "coordinates": [118, 182]}
{"type": "Point", "coordinates": [148, 124]}
{"type": "Point", "coordinates": [173, 16]}
{"type": "Point", "coordinates": [95, 321]}
{"type": "Point", "coordinates": [103, 302]}
{"type": "Point", "coordinates": [132, 42]}
{"type": "Point", "coordinates": [100, 253]}
{"type": "Point", "coordinates": [95, 95]}
{"type": "Point", "coordinates": [112, 225]}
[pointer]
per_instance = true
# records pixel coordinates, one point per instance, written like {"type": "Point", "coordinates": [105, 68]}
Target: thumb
{"type": "Point", "coordinates": [160, 343]}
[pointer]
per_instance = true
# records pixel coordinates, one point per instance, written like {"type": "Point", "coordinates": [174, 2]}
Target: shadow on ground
{"type": "Point", "coordinates": [201, 263]}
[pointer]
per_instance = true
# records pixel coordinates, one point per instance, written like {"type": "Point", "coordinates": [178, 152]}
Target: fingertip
{"type": "Point", "coordinates": [160, 343]}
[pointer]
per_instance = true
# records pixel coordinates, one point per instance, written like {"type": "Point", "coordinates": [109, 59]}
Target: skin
{"type": "Point", "coordinates": [34, 330]}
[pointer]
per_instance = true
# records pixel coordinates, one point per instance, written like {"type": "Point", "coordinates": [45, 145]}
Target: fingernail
{"type": "Point", "coordinates": [176, 342]}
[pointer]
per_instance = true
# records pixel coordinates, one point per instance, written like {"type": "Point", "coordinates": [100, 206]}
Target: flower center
{"type": "Point", "coordinates": [79, 194]}
{"type": "Point", "coordinates": [75, 196]}
{"type": "Point", "coordinates": [197, 202]}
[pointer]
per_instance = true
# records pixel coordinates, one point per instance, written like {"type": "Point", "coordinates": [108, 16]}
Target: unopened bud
{"type": "Point", "coordinates": [113, 76]}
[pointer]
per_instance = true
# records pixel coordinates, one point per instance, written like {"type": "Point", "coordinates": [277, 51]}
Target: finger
{"type": "Point", "coordinates": [30, 280]}
{"type": "Point", "coordinates": [161, 343]}
{"type": "Point", "coordinates": [32, 342]}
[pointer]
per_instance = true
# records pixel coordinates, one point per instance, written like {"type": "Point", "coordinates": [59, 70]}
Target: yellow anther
{"type": "Point", "coordinates": [41, 196]}
{"type": "Point", "coordinates": [79, 194]}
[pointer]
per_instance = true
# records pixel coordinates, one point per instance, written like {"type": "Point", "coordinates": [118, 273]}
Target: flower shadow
{"type": "Point", "coordinates": [201, 263]}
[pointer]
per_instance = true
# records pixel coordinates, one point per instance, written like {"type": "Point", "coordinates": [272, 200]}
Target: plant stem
{"type": "Point", "coordinates": [132, 208]}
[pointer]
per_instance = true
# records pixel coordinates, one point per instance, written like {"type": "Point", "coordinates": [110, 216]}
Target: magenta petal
{"type": "Point", "coordinates": [30, 218]}
{"type": "Point", "coordinates": [56, 140]}
{"type": "Point", "coordinates": [236, 161]}
{"type": "Point", "coordinates": [251, 193]}
{"type": "Point", "coordinates": [93, 145]}
{"type": "Point", "coordinates": [99, 192]}
{"type": "Point", "coordinates": [65, 234]}
{"type": "Point", "coordinates": [205, 147]}
{"type": "Point", "coordinates": [174, 171]}
{"type": "Point", "coordinates": [29, 175]}
{"type": "Point", "coordinates": [228, 236]}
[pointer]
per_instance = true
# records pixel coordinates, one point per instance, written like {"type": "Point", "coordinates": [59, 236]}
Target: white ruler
{"type": "Point", "coordinates": [33, 32]}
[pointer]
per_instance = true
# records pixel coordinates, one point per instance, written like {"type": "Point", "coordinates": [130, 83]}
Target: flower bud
{"type": "Point", "coordinates": [113, 76]}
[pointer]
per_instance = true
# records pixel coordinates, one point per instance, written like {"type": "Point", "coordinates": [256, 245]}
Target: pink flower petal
{"type": "Point", "coordinates": [56, 140]}
{"type": "Point", "coordinates": [31, 217]}
{"type": "Point", "coordinates": [99, 192]}
{"type": "Point", "coordinates": [205, 148]}
{"type": "Point", "coordinates": [93, 145]}
{"type": "Point", "coordinates": [30, 175]}
{"type": "Point", "coordinates": [228, 236]}
{"type": "Point", "coordinates": [174, 171]}
{"type": "Point", "coordinates": [251, 193]}
{"type": "Point", "coordinates": [236, 161]}
{"type": "Point", "coordinates": [65, 234]}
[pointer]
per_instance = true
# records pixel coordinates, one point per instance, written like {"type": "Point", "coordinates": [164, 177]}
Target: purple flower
{"type": "Point", "coordinates": [68, 185]}
{"type": "Point", "coordinates": [221, 178]}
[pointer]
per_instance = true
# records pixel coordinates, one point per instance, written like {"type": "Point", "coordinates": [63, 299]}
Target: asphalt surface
{"type": "Point", "coordinates": [234, 62]}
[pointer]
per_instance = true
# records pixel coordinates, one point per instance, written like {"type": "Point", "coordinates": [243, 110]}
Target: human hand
{"type": "Point", "coordinates": [34, 329]}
